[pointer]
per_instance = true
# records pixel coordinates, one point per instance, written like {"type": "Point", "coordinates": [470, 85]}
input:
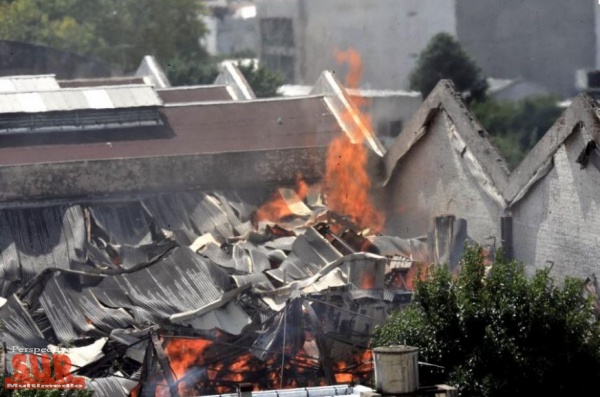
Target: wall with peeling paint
{"type": "Point", "coordinates": [559, 219]}
{"type": "Point", "coordinates": [443, 163]}
{"type": "Point", "coordinates": [433, 179]}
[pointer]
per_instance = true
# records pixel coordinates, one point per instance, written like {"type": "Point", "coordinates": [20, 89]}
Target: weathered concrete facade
{"type": "Point", "coordinates": [389, 34]}
{"type": "Point", "coordinates": [544, 41]}
{"type": "Point", "coordinates": [94, 180]}
{"type": "Point", "coordinates": [443, 163]}
{"type": "Point", "coordinates": [558, 221]}
{"type": "Point", "coordinates": [437, 181]}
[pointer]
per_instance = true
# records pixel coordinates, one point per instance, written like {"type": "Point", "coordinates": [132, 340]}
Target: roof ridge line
{"type": "Point", "coordinates": [510, 185]}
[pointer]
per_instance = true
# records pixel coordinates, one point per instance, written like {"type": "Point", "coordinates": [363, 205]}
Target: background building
{"type": "Point", "coordinates": [541, 41]}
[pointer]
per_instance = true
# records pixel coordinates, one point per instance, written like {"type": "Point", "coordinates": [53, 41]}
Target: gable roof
{"type": "Point", "coordinates": [583, 111]}
{"type": "Point", "coordinates": [468, 137]}
{"type": "Point", "coordinates": [485, 162]}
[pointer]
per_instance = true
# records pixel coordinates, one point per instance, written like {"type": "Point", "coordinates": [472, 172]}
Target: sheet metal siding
{"type": "Point", "coordinates": [124, 224]}
{"type": "Point", "coordinates": [18, 328]}
{"type": "Point", "coordinates": [170, 213]}
{"type": "Point", "coordinates": [50, 237]}
{"type": "Point", "coordinates": [67, 320]}
{"type": "Point", "coordinates": [10, 269]}
{"type": "Point", "coordinates": [183, 281]}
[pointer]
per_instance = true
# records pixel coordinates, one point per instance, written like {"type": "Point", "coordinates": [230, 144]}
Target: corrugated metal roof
{"type": "Point", "coordinates": [118, 97]}
{"type": "Point", "coordinates": [28, 83]}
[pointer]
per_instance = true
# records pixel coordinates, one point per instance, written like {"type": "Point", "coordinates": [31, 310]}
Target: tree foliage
{"type": "Point", "coordinates": [264, 83]}
{"type": "Point", "coordinates": [181, 71]}
{"type": "Point", "coordinates": [119, 32]}
{"type": "Point", "coordinates": [501, 334]}
{"type": "Point", "coordinates": [444, 58]}
{"type": "Point", "coordinates": [517, 126]}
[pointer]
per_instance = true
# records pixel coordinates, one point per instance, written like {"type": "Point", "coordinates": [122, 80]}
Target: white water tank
{"type": "Point", "coordinates": [396, 369]}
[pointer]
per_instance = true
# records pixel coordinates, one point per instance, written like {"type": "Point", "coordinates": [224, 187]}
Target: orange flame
{"type": "Point", "coordinates": [418, 271]}
{"type": "Point", "coordinates": [347, 182]}
{"type": "Point", "coordinates": [367, 280]}
{"type": "Point", "coordinates": [183, 354]}
{"type": "Point", "coordinates": [276, 208]}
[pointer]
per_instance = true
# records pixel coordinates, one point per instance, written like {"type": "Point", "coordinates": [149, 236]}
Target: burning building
{"type": "Point", "coordinates": [177, 240]}
{"type": "Point", "coordinates": [188, 240]}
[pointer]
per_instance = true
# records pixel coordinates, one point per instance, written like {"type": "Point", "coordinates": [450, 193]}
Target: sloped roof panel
{"type": "Point", "coordinates": [54, 102]}
{"type": "Point", "coordinates": [30, 102]}
{"type": "Point", "coordinates": [9, 105]}
{"type": "Point", "coordinates": [28, 83]}
{"type": "Point", "coordinates": [132, 96]}
{"type": "Point", "coordinates": [98, 99]}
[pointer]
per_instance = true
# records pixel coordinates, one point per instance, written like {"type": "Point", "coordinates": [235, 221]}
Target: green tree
{"type": "Point", "coordinates": [181, 71]}
{"type": "Point", "coordinates": [444, 58]}
{"type": "Point", "coordinates": [119, 32]}
{"type": "Point", "coordinates": [264, 83]}
{"type": "Point", "coordinates": [517, 126]}
{"type": "Point", "coordinates": [502, 334]}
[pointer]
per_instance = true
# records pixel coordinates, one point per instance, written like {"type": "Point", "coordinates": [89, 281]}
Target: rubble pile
{"type": "Point", "coordinates": [195, 293]}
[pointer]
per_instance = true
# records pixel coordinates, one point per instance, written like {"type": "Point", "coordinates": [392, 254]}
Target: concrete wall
{"type": "Point", "coordinates": [389, 34]}
{"type": "Point", "coordinates": [442, 163]}
{"type": "Point", "coordinates": [432, 179]}
{"type": "Point", "coordinates": [101, 179]}
{"type": "Point", "coordinates": [544, 41]}
{"type": "Point", "coordinates": [559, 219]}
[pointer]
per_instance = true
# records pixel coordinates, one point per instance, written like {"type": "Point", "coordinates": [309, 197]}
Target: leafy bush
{"type": "Point", "coordinates": [501, 334]}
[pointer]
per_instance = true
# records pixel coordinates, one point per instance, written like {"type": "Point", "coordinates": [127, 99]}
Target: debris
{"type": "Point", "coordinates": [182, 294]}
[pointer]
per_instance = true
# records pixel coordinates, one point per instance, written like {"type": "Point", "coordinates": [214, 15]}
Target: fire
{"type": "Point", "coordinates": [277, 208]}
{"type": "Point", "coordinates": [367, 280]}
{"type": "Point", "coordinates": [183, 354]}
{"type": "Point", "coordinates": [359, 365]}
{"type": "Point", "coordinates": [418, 271]}
{"type": "Point", "coordinates": [347, 182]}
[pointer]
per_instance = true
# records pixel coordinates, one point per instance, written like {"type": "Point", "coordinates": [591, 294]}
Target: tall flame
{"type": "Point", "coordinates": [347, 183]}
